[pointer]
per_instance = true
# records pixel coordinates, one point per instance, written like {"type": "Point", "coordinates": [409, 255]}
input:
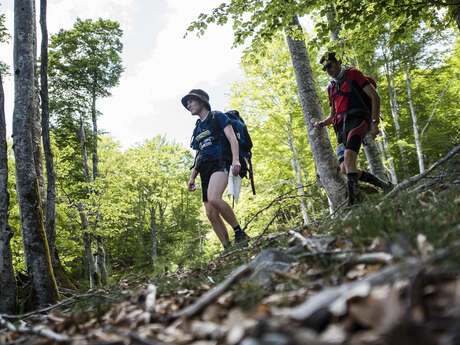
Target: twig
{"type": "Point", "coordinates": [278, 198]}
{"type": "Point", "coordinates": [37, 330]}
{"type": "Point", "coordinates": [412, 180]}
{"type": "Point", "coordinates": [436, 106]}
{"type": "Point", "coordinates": [63, 302]}
{"type": "Point", "coordinates": [211, 295]}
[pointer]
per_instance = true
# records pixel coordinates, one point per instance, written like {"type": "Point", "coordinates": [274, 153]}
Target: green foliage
{"type": "Point", "coordinates": [86, 59]}
{"type": "Point", "coordinates": [256, 19]}
{"type": "Point", "coordinates": [410, 214]}
{"type": "Point", "coordinates": [84, 64]}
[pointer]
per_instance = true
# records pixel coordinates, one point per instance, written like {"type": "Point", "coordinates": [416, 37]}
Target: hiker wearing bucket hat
{"type": "Point", "coordinates": [214, 140]}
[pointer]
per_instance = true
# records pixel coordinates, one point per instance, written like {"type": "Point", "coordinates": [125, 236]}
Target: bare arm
{"type": "Point", "coordinates": [230, 134]}
{"type": "Point", "coordinates": [328, 120]}
{"type": "Point", "coordinates": [371, 92]}
{"type": "Point", "coordinates": [191, 182]}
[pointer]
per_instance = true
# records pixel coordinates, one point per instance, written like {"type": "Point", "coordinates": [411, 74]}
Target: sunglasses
{"type": "Point", "coordinates": [327, 66]}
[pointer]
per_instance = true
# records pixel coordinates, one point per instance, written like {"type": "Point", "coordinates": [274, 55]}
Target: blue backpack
{"type": "Point", "coordinates": [244, 143]}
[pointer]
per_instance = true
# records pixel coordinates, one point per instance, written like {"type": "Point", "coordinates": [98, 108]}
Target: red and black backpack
{"type": "Point", "coordinates": [360, 101]}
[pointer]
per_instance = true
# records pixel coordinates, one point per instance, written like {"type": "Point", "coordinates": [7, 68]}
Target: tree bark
{"type": "Point", "coordinates": [395, 114]}
{"type": "Point", "coordinates": [34, 238]}
{"type": "Point", "coordinates": [36, 122]}
{"type": "Point", "coordinates": [388, 157]}
{"type": "Point", "coordinates": [7, 280]}
{"type": "Point", "coordinates": [373, 157]}
{"type": "Point", "coordinates": [94, 120]}
{"type": "Point", "coordinates": [84, 154]}
{"type": "Point", "coordinates": [89, 258]}
{"type": "Point", "coordinates": [153, 234]}
{"type": "Point", "coordinates": [101, 261]}
{"type": "Point", "coordinates": [295, 162]}
{"type": "Point", "coordinates": [418, 142]}
{"type": "Point", "coordinates": [325, 159]}
{"type": "Point", "coordinates": [50, 209]}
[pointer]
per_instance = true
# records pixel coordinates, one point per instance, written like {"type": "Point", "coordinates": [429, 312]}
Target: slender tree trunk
{"type": "Point", "coordinates": [7, 280]}
{"type": "Point", "coordinates": [84, 154]}
{"type": "Point", "coordinates": [389, 158]}
{"type": "Point", "coordinates": [436, 105]}
{"type": "Point", "coordinates": [325, 159]}
{"type": "Point", "coordinates": [50, 212]}
{"type": "Point", "coordinates": [295, 162]}
{"type": "Point", "coordinates": [101, 261]}
{"type": "Point", "coordinates": [89, 258]}
{"type": "Point", "coordinates": [373, 157]}
{"type": "Point", "coordinates": [141, 216]}
{"type": "Point", "coordinates": [395, 114]}
{"type": "Point", "coordinates": [36, 248]}
{"type": "Point", "coordinates": [153, 234]}
{"type": "Point", "coordinates": [418, 142]}
{"type": "Point", "coordinates": [36, 130]}
{"type": "Point", "coordinates": [95, 138]}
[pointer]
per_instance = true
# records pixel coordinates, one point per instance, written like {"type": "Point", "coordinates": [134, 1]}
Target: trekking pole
{"type": "Point", "coordinates": [251, 177]}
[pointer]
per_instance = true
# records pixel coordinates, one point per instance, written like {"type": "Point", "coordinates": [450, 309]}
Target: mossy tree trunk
{"type": "Point", "coordinates": [7, 280]}
{"type": "Point", "coordinates": [50, 208]}
{"type": "Point", "coordinates": [36, 248]}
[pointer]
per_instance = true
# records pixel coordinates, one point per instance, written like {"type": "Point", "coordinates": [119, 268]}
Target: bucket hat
{"type": "Point", "coordinates": [196, 93]}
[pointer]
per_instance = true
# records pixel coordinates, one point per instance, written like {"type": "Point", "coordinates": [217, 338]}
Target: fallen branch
{"type": "Point", "coordinates": [366, 258]}
{"type": "Point", "coordinates": [213, 294]}
{"type": "Point", "coordinates": [324, 299]}
{"type": "Point", "coordinates": [37, 330]}
{"type": "Point", "coordinates": [414, 179]}
{"type": "Point", "coordinates": [51, 307]}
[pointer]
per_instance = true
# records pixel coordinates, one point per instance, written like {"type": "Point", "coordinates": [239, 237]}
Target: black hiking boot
{"type": "Point", "coordinates": [241, 238]}
{"type": "Point", "coordinates": [352, 187]}
{"type": "Point", "coordinates": [372, 179]}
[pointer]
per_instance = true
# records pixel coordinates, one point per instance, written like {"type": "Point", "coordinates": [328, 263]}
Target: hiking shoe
{"type": "Point", "coordinates": [241, 238]}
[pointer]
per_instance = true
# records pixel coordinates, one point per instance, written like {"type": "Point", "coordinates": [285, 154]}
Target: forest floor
{"type": "Point", "coordinates": [384, 272]}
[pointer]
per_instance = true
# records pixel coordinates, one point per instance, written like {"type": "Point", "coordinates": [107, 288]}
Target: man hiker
{"type": "Point", "coordinates": [217, 151]}
{"type": "Point", "coordinates": [352, 119]}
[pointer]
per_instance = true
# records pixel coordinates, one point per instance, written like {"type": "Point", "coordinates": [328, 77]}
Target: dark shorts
{"type": "Point", "coordinates": [352, 136]}
{"type": "Point", "coordinates": [206, 169]}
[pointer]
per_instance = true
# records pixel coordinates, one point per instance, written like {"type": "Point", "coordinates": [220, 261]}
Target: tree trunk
{"type": "Point", "coordinates": [295, 162]}
{"type": "Point", "coordinates": [325, 159]}
{"type": "Point", "coordinates": [153, 234]}
{"type": "Point", "coordinates": [102, 268]}
{"type": "Point", "coordinates": [50, 212]}
{"type": "Point", "coordinates": [141, 216]}
{"type": "Point", "coordinates": [94, 120]}
{"type": "Point", "coordinates": [395, 114]}
{"type": "Point", "coordinates": [36, 249]}
{"type": "Point", "coordinates": [7, 280]}
{"type": "Point", "coordinates": [36, 122]}
{"type": "Point", "coordinates": [84, 154]}
{"type": "Point", "coordinates": [389, 158]}
{"type": "Point", "coordinates": [418, 142]}
{"type": "Point", "coordinates": [89, 258]}
{"type": "Point", "coordinates": [373, 157]}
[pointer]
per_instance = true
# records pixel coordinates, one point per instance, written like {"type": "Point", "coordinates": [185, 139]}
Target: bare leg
{"type": "Point", "coordinates": [216, 188]}
{"type": "Point", "coordinates": [350, 161]}
{"type": "Point", "coordinates": [217, 223]}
